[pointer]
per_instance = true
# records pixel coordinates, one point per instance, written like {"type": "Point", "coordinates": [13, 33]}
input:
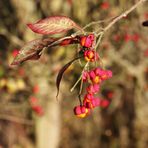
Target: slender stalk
{"type": "Point", "coordinates": [97, 22]}
{"type": "Point", "coordinates": [99, 40]}
{"type": "Point", "coordinates": [79, 96]}
{"type": "Point", "coordinates": [76, 83]}
{"type": "Point", "coordinates": [81, 86]}
{"type": "Point", "coordinates": [79, 77]}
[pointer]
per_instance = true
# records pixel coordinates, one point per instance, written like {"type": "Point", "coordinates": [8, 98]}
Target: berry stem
{"type": "Point", "coordinates": [100, 34]}
{"type": "Point", "coordinates": [81, 86]}
{"type": "Point", "coordinates": [80, 78]}
{"type": "Point", "coordinates": [79, 96]}
{"type": "Point", "coordinates": [76, 83]}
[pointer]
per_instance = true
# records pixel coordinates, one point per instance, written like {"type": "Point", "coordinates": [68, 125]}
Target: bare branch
{"type": "Point", "coordinates": [124, 14]}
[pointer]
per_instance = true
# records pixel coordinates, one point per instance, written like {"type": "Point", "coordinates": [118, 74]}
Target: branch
{"type": "Point", "coordinates": [124, 14]}
{"type": "Point", "coordinates": [115, 19]}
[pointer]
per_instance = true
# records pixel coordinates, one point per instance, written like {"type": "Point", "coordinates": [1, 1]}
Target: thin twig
{"type": "Point", "coordinates": [124, 14]}
{"type": "Point", "coordinates": [76, 83]}
{"type": "Point", "coordinates": [99, 40]}
{"type": "Point", "coordinates": [97, 22]}
{"type": "Point", "coordinates": [79, 78]}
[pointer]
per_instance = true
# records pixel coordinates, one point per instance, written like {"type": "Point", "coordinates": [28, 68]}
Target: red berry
{"type": "Point", "coordinates": [96, 80]}
{"type": "Point", "coordinates": [87, 41]}
{"type": "Point", "coordinates": [81, 111]}
{"type": "Point", "coordinates": [110, 94]}
{"type": "Point", "coordinates": [38, 110]}
{"type": "Point", "coordinates": [15, 52]}
{"type": "Point", "coordinates": [93, 89]}
{"type": "Point", "coordinates": [116, 37]}
{"type": "Point", "coordinates": [97, 71]}
{"type": "Point", "coordinates": [104, 103]}
{"type": "Point", "coordinates": [146, 53]}
{"type": "Point", "coordinates": [92, 74]}
{"type": "Point", "coordinates": [89, 55]}
{"type": "Point", "coordinates": [135, 37]}
{"type": "Point", "coordinates": [33, 100]}
{"type": "Point", "coordinates": [88, 96]}
{"type": "Point", "coordinates": [35, 89]}
{"type": "Point", "coordinates": [77, 110]}
{"type": "Point", "coordinates": [105, 5]}
{"type": "Point", "coordinates": [127, 37]}
{"type": "Point", "coordinates": [96, 102]}
{"type": "Point", "coordinates": [85, 76]}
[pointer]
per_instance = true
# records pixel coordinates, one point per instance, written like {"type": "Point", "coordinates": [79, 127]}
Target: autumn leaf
{"type": "Point", "coordinates": [31, 50]}
{"type": "Point", "coordinates": [53, 25]}
{"type": "Point", "coordinates": [61, 72]}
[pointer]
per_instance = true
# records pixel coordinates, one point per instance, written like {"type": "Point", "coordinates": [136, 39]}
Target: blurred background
{"type": "Point", "coordinates": [30, 115]}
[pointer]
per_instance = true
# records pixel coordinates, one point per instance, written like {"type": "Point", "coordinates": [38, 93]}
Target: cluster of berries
{"type": "Point", "coordinates": [94, 78]}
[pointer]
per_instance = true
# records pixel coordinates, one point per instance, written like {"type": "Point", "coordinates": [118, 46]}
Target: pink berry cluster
{"type": "Point", "coordinates": [93, 78]}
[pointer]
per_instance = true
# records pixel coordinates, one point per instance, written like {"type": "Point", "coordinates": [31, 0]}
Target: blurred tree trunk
{"type": "Point", "coordinates": [48, 126]}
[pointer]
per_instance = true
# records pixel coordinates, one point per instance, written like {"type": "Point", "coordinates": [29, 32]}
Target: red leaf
{"type": "Point", "coordinates": [61, 72]}
{"type": "Point", "coordinates": [53, 25]}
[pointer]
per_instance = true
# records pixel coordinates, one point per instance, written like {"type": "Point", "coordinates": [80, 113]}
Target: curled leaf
{"type": "Point", "coordinates": [61, 72]}
{"type": "Point", "coordinates": [53, 25]}
{"type": "Point", "coordinates": [31, 51]}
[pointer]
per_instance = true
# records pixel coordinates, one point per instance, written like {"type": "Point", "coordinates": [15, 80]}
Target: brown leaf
{"type": "Point", "coordinates": [53, 25]}
{"type": "Point", "coordinates": [31, 50]}
{"type": "Point", "coordinates": [61, 72]}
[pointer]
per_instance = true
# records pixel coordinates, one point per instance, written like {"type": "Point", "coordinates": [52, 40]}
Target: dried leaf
{"type": "Point", "coordinates": [31, 51]}
{"type": "Point", "coordinates": [61, 72]}
{"type": "Point", "coordinates": [53, 25]}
